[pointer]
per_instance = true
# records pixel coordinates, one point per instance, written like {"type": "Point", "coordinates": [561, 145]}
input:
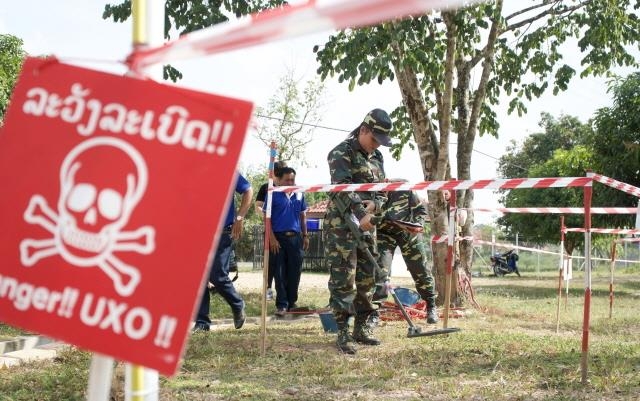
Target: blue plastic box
{"type": "Point", "coordinates": [328, 321]}
{"type": "Point", "coordinates": [314, 224]}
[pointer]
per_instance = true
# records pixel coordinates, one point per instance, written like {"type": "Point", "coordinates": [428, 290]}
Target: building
{"type": "Point", "coordinates": [314, 259]}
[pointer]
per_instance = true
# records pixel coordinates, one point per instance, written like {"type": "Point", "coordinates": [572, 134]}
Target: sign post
{"type": "Point", "coordinates": [148, 30]}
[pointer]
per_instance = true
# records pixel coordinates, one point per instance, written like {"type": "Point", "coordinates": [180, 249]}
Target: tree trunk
{"type": "Point", "coordinates": [438, 213]}
{"type": "Point", "coordinates": [444, 103]}
{"type": "Point", "coordinates": [430, 153]}
{"type": "Point", "coordinates": [569, 245]}
{"type": "Point", "coordinates": [468, 107]}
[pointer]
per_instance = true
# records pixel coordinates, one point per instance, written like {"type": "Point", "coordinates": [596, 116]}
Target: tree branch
{"type": "Point", "coordinates": [550, 11]}
{"type": "Point", "coordinates": [415, 105]}
{"type": "Point", "coordinates": [445, 106]}
{"type": "Point", "coordinates": [487, 67]}
{"type": "Point", "coordinates": [526, 10]}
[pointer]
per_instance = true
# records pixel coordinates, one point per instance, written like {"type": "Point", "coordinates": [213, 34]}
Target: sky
{"type": "Point", "coordinates": [74, 31]}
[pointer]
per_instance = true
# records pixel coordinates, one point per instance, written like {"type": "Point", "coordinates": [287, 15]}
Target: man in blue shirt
{"type": "Point", "coordinates": [288, 240]}
{"type": "Point", "coordinates": [219, 273]}
{"type": "Point", "coordinates": [261, 198]}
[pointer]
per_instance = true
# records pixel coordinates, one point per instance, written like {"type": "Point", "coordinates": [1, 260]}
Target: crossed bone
{"type": "Point", "coordinates": [125, 277]}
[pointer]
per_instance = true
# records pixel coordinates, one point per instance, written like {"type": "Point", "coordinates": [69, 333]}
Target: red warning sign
{"type": "Point", "coordinates": [114, 190]}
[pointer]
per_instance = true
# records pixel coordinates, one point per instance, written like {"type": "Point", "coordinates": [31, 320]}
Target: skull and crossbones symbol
{"type": "Point", "coordinates": [101, 181]}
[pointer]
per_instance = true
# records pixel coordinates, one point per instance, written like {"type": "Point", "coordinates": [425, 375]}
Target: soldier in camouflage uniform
{"type": "Point", "coordinates": [355, 160]}
{"type": "Point", "coordinates": [405, 206]}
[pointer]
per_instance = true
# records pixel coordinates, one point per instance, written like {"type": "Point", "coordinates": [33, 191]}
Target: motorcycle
{"type": "Point", "coordinates": [505, 263]}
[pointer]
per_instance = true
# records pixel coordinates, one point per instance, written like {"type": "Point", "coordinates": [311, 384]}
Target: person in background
{"type": "Point", "coordinates": [219, 271]}
{"type": "Point", "coordinates": [261, 198]}
{"type": "Point", "coordinates": [405, 206]}
{"type": "Point", "coordinates": [288, 240]}
{"type": "Point", "coordinates": [355, 160]}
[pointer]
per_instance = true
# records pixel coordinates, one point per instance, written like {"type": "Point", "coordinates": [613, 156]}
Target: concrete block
{"type": "Point", "coordinates": [26, 355]}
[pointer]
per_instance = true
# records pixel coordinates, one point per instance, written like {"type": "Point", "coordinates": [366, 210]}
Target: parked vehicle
{"type": "Point", "coordinates": [505, 263]}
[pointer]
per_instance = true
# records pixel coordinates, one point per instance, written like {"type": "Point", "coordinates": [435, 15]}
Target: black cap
{"type": "Point", "coordinates": [380, 123]}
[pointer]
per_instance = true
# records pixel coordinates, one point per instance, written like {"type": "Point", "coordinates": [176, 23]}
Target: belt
{"type": "Point", "coordinates": [288, 233]}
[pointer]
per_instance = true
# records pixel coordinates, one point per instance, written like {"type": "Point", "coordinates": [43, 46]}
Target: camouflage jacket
{"type": "Point", "coordinates": [350, 164]}
{"type": "Point", "coordinates": [406, 206]}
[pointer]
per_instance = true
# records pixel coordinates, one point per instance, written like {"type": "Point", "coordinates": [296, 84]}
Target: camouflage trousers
{"type": "Point", "coordinates": [351, 272]}
{"type": "Point", "coordinates": [414, 253]}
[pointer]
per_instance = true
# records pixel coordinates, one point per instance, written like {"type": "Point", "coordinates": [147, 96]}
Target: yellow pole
{"type": "Point", "coordinates": [137, 383]}
{"type": "Point", "coordinates": [138, 14]}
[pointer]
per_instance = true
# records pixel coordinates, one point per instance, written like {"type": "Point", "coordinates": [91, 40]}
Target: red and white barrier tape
{"type": "Point", "coordinates": [511, 246]}
{"type": "Point", "coordinates": [535, 250]}
{"type": "Point", "coordinates": [512, 183]}
{"type": "Point", "coordinates": [603, 230]}
{"type": "Point", "coordinates": [561, 210]}
{"type": "Point", "coordinates": [286, 22]}
{"type": "Point", "coordinates": [619, 185]}
{"type": "Point", "coordinates": [438, 239]}
{"type": "Point", "coordinates": [628, 239]}
{"type": "Point", "coordinates": [443, 238]}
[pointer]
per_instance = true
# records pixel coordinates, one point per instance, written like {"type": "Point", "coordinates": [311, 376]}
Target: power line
{"type": "Point", "coordinates": [344, 130]}
{"type": "Point", "coordinates": [303, 123]}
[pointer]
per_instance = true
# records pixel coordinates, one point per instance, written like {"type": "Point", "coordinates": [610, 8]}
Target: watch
{"type": "Point", "coordinates": [239, 218]}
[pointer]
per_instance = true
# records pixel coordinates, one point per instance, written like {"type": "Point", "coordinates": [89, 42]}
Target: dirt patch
{"type": "Point", "coordinates": [252, 280]}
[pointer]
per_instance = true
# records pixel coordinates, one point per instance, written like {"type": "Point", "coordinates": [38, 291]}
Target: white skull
{"type": "Point", "coordinates": [101, 182]}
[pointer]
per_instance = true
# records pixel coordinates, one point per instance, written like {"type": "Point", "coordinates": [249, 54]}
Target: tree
{"type": "Point", "coordinates": [568, 148]}
{"type": "Point", "coordinates": [187, 16]}
{"type": "Point", "coordinates": [546, 154]}
{"type": "Point", "coordinates": [11, 57]}
{"type": "Point", "coordinates": [453, 68]}
{"type": "Point", "coordinates": [560, 163]}
{"type": "Point", "coordinates": [290, 117]}
{"type": "Point", "coordinates": [562, 133]}
{"type": "Point", "coordinates": [618, 127]}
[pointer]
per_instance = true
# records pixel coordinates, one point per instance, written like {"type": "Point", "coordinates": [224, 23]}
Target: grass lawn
{"type": "Point", "coordinates": [507, 350]}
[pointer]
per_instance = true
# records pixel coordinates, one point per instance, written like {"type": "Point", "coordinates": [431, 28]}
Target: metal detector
{"type": "Point", "coordinates": [413, 330]}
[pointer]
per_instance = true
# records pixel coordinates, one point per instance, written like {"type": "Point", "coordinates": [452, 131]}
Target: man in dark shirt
{"type": "Point", "coordinates": [219, 272]}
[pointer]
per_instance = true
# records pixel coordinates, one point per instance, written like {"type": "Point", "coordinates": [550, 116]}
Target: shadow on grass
{"type": "Point", "coordinates": [626, 284]}
{"type": "Point", "coordinates": [526, 292]}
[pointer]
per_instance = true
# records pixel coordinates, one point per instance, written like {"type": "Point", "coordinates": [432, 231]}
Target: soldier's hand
{"type": "Point", "coordinates": [369, 206]}
{"type": "Point", "coordinates": [305, 243]}
{"type": "Point", "coordinates": [365, 222]}
{"type": "Point", "coordinates": [413, 230]}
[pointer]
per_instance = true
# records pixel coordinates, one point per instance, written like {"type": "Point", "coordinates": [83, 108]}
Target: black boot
{"type": "Point", "coordinates": [239, 318]}
{"type": "Point", "coordinates": [362, 331]}
{"type": "Point", "coordinates": [344, 341]}
{"type": "Point", "coordinates": [374, 319]}
{"type": "Point", "coordinates": [432, 313]}
{"type": "Point", "coordinates": [380, 294]}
